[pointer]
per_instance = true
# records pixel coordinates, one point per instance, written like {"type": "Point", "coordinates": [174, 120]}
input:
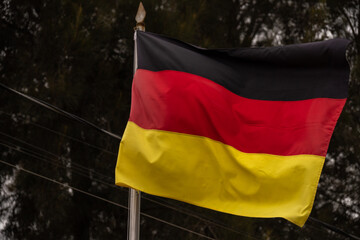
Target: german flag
{"type": "Point", "coordinates": [242, 131]}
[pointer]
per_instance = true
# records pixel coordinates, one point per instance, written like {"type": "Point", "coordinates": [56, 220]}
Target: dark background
{"type": "Point", "coordinates": [78, 55]}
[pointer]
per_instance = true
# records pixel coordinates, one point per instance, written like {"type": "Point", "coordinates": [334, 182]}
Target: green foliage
{"type": "Point", "coordinates": [77, 55]}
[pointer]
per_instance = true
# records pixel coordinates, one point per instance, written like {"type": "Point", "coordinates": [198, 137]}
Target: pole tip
{"type": "Point", "coordinates": [140, 17]}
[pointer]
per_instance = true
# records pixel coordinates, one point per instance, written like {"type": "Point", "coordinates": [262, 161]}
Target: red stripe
{"type": "Point", "coordinates": [186, 103]}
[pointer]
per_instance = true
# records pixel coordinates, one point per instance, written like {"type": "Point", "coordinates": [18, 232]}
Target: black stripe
{"type": "Point", "coordinates": [294, 72]}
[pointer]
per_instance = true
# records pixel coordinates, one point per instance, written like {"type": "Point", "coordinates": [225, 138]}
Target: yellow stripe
{"type": "Point", "coordinates": [210, 174]}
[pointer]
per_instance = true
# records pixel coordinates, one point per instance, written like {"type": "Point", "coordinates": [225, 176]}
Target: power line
{"type": "Point", "coordinates": [60, 111]}
{"type": "Point", "coordinates": [79, 119]}
{"type": "Point", "coordinates": [62, 134]}
{"type": "Point", "coordinates": [104, 199]}
{"type": "Point", "coordinates": [58, 165]}
{"type": "Point", "coordinates": [334, 229]}
{"type": "Point", "coordinates": [56, 157]}
{"type": "Point", "coordinates": [191, 214]}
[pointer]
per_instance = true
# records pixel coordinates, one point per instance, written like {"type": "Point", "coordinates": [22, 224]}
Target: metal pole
{"type": "Point", "coordinates": [134, 195]}
{"type": "Point", "coordinates": [134, 215]}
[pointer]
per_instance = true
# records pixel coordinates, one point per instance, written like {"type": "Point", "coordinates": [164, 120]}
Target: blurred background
{"type": "Point", "coordinates": [78, 56]}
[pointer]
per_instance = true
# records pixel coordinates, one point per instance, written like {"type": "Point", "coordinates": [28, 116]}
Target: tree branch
{"type": "Point", "coordinates": [342, 11]}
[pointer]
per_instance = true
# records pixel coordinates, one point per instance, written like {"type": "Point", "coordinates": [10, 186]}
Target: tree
{"type": "Point", "coordinates": [78, 56]}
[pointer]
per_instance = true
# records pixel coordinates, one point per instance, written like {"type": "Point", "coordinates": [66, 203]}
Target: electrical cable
{"type": "Point", "coordinates": [79, 119]}
{"type": "Point", "coordinates": [334, 229]}
{"type": "Point", "coordinates": [104, 199]}
{"type": "Point", "coordinates": [60, 111]}
{"type": "Point", "coordinates": [59, 165]}
{"type": "Point", "coordinates": [188, 213]}
{"type": "Point", "coordinates": [57, 158]}
{"type": "Point", "coordinates": [62, 134]}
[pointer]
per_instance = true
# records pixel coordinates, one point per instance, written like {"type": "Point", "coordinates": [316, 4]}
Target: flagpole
{"type": "Point", "coordinates": [134, 195]}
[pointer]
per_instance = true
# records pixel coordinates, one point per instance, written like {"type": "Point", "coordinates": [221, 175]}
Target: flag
{"type": "Point", "coordinates": [242, 131]}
